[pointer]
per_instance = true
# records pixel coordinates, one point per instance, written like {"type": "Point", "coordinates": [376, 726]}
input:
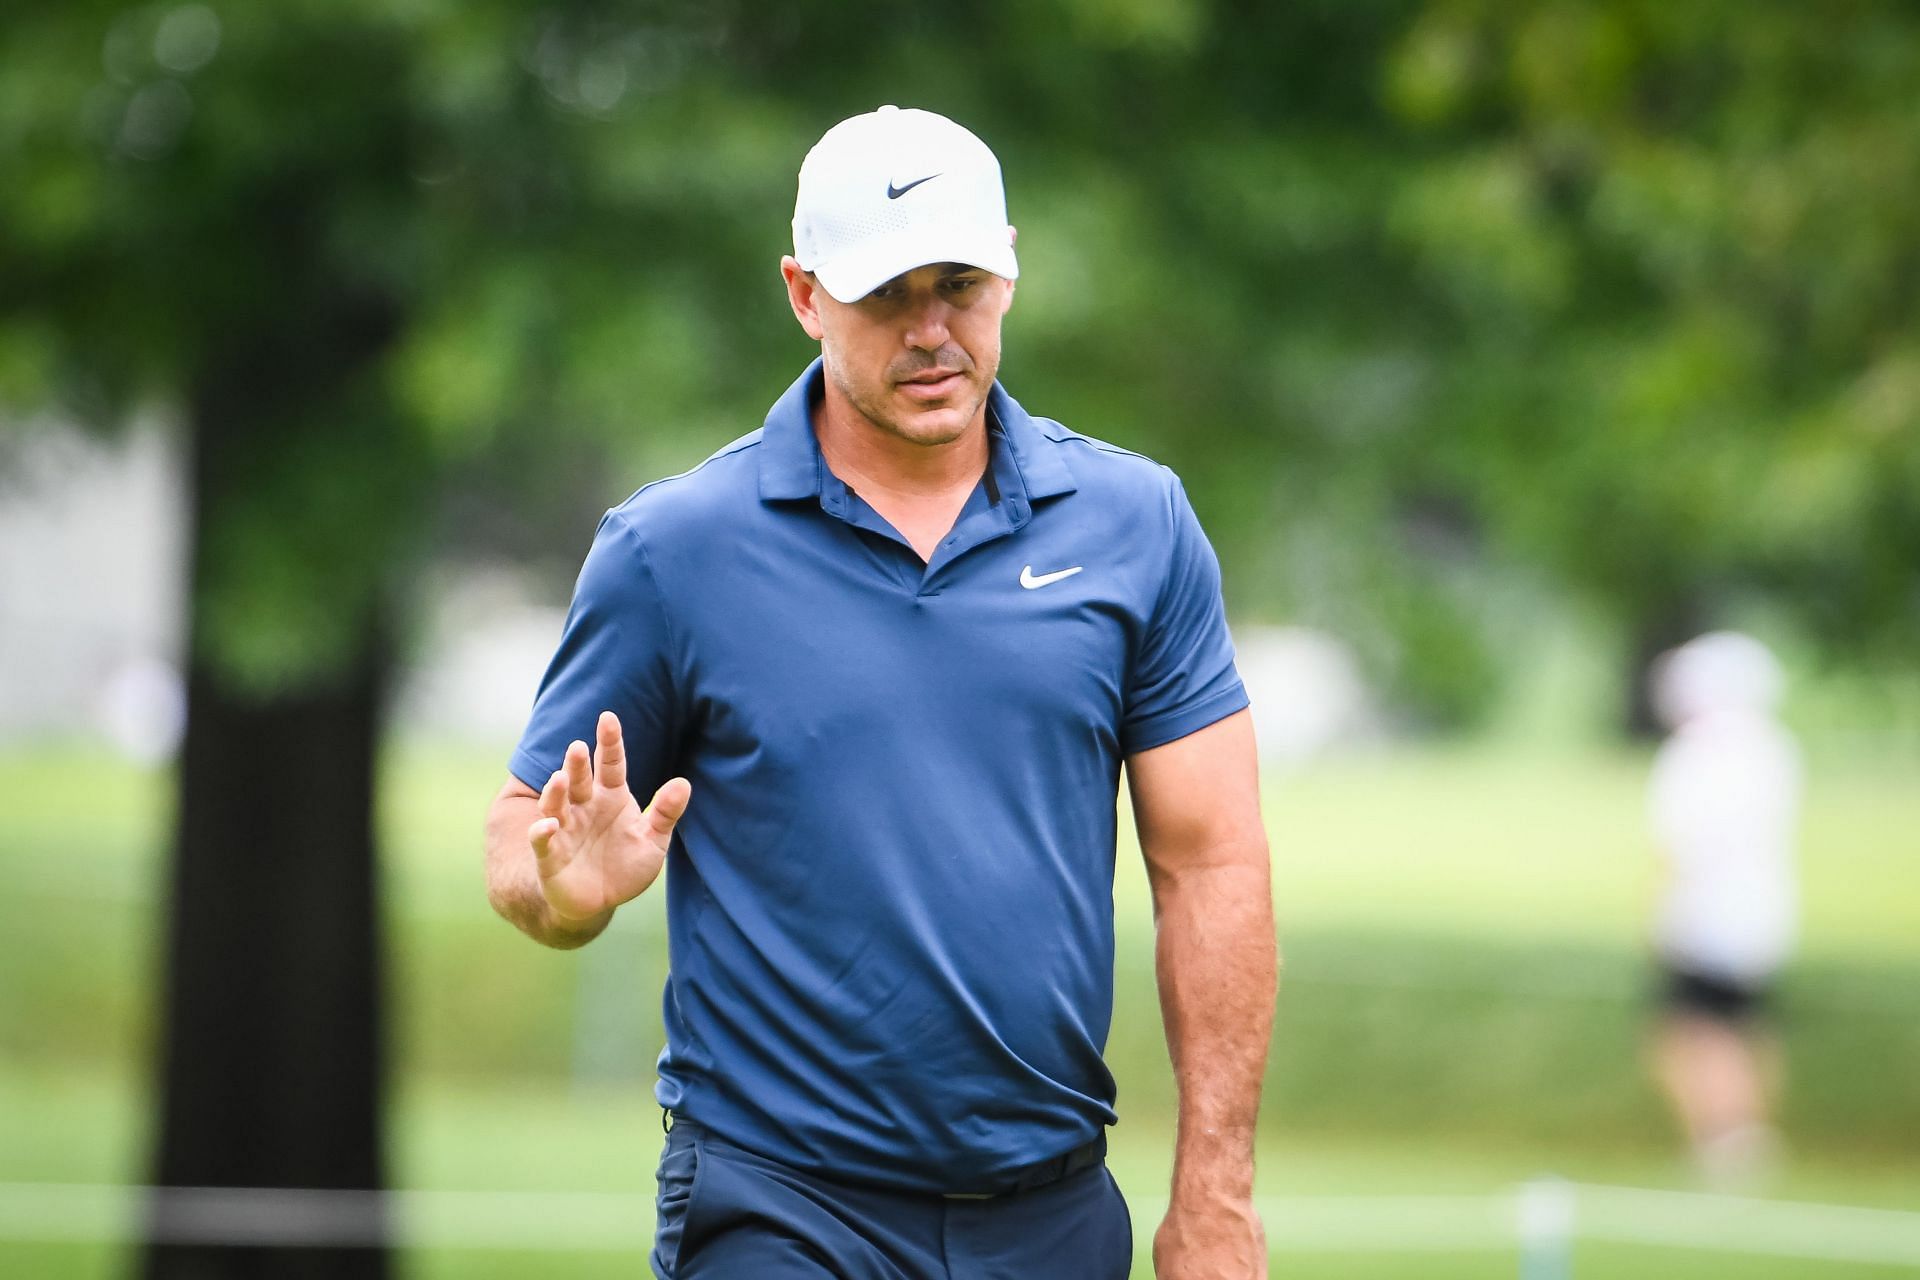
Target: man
{"type": "Point", "coordinates": [878, 665]}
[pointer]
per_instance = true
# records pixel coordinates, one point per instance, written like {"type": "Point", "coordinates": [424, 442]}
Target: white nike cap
{"type": "Point", "coordinates": [885, 192]}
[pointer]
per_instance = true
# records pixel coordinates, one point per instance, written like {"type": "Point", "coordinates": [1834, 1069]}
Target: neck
{"type": "Point", "coordinates": [871, 458]}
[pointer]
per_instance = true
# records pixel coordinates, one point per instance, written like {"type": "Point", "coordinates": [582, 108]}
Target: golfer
{"type": "Point", "coordinates": [874, 670]}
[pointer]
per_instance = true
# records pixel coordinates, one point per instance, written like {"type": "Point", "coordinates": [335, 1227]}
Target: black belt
{"type": "Point", "coordinates": [1026, 1178]}
{"type": "Point", "coordinates": [1044, 1173]}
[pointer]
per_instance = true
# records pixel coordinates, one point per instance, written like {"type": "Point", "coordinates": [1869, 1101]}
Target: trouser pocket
{"type": "Point", "coordinates": [1123, 1220]}
{"type": "Point", "coordinates": [677, 1174]}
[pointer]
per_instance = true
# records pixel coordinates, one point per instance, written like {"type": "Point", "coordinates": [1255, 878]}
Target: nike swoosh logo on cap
{"type": "Point", "coordinates": [1029, 580]}
{"type": "Point", "coordinates": [894, 193]}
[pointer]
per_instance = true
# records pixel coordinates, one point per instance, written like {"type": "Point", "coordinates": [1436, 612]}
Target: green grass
{"type": "Point", "coordinates": [1461, 1009]}
{"type": "Point", "coordinates": [540, 1136]}
{"type": "Point", "coordinates": [1554, 848]}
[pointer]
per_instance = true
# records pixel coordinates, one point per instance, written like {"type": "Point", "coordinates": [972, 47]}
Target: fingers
{"type": "Point", "coordinates": [612, 757]}
{"type": "Point", "coordinates": [540, 834]}
{"type": "Point", "coordinates": [666, 808]}
{"type": "Point", "coordinates": [579, 773]}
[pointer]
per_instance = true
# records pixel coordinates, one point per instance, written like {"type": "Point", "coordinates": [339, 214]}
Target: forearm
{"type": "Point", "coordinates": [1217, 968]}
{"type": "Point", "coordinates": [513, 883]}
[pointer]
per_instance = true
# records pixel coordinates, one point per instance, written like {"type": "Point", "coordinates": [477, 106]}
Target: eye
{"type": "Point", "coordinates": [960, 284]}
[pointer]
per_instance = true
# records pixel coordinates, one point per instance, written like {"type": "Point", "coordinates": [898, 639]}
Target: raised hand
{"type": "Point", "coordinates": [593, 846]}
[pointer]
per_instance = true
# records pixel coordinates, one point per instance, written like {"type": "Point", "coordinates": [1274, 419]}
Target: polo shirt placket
{"type": "Point", "coordinates": [1000, 506]}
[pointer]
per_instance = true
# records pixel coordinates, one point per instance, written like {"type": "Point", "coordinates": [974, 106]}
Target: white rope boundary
{"type": "Point", "coordinates": [1546, 1215]}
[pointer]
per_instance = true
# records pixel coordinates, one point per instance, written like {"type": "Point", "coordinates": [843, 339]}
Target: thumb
{"type": "Point", "coordinates": [669, 803]}
{"type": "Point", "coordinates": [548, 860]}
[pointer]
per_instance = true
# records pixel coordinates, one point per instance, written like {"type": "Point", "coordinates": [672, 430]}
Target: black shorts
{"type": "Point", "coordinates": [1706, 996]}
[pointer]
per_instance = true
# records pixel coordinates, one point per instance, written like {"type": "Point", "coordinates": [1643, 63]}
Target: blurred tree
{"type": "Point", "coordinates": [1677, 248]}
{"type": "Point", "coordinates": [359, 251]}
{"type": "Point", "coordinates": [1618, 295]}
{"type": "Point", "coordinates": [192, 200]}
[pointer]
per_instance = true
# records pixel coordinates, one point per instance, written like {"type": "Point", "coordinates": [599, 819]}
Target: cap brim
{"type": "Point", "coordinates": [854, 274]}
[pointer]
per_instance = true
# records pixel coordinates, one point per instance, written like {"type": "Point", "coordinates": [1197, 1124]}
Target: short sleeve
{"type": "Point", "coordinates": [615, 654]}
{"type": "Point", "coordinates": [1183, 677]}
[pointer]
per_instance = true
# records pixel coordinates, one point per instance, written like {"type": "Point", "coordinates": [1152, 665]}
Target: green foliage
{"type": "Point", "coordinates": [1413, 294]}
{"type": "Point", "coordinates": [1678, 243]}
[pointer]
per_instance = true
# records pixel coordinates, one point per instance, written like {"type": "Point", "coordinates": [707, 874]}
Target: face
{"type": "Point", "coordinates": [917, 356]}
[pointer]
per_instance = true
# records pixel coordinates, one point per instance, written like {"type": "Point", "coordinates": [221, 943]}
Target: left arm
{"type": "Point", "coordinates": [1196, 803]}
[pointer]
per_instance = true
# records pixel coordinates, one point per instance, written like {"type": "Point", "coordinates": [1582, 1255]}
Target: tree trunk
{"type": "Point", "coordinates": [272, 1059]}
{"type": "Point", "coordinates": [1672, 622]}
{"type": "Point", "coordinates": [272, 1062]}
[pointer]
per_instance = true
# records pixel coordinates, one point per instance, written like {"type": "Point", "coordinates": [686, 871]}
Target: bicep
{"type": "Point", "coordinates": [1181, 676]}
{"type": "Point", "coordinates": [1196, 800]}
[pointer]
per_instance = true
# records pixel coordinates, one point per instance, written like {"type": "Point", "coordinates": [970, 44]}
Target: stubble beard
{"type": "Point", "coordinates": [876, 404]}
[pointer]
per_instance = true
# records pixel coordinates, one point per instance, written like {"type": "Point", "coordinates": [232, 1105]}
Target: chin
{"type": "Point", "coordinates": [934, 426]}
{"type": "Point", "coordinates": [936, 423]}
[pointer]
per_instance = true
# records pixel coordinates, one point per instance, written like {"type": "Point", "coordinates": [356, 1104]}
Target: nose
{"type": "Point", "coordinates": [927, 325]}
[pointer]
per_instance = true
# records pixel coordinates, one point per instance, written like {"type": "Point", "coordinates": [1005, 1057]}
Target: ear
{"type": "Point", "coordinates": [802, 296]}
{"type": "Point", "coordinates": [1006, 304]}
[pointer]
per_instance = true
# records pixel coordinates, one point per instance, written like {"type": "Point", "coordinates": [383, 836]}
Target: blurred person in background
{"type": "Point", "coordinates": [1725, 798]}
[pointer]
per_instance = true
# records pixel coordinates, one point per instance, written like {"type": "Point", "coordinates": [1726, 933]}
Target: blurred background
{"type": "Point", "coordinates": [1501, 347]}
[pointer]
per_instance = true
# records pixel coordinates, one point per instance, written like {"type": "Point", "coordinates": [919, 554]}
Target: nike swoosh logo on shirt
{"type": "Point", "coordinates": [894, 193]}
{"type": "Point", "coordinates": [1029, 580]}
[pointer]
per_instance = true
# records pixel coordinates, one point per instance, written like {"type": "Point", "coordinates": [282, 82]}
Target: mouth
{"type": "Point", "coordinates": [932, 384]}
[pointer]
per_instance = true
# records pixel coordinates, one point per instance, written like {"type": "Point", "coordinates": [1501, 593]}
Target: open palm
{"type": "Point", "coordinates": [593, 845]}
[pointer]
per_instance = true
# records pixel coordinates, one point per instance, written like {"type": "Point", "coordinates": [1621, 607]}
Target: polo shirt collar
{"type": "Point", "coordinates": [1036, 458]}
{"type": "Point", "coordinates": [790, 462]}
{"type": "Point", "coordinates": [791, 465]}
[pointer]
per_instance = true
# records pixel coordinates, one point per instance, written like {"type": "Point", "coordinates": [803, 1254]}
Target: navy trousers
{"type": "Point", "coordinates": [728, 1214]}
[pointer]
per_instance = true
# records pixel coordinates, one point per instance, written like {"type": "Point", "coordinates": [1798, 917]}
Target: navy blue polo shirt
{"type": "Point", "coordinates": [890, 902]}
